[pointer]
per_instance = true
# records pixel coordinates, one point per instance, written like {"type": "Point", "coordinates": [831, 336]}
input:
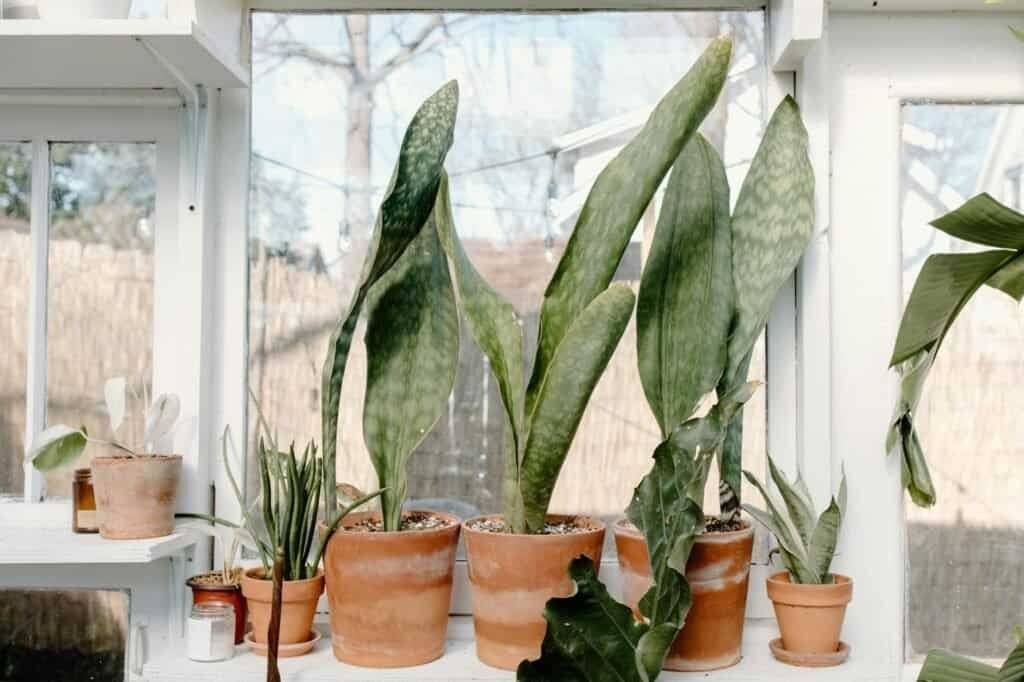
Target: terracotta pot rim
{"type": "Point", "coordinates": [830, 595]}
{"type": "Point", "coordinates": [251, 574]}
{"type": "Point", "coordinates": [597, 526]}
{"type": "Point", "coordinates": [782, 578]}
{"type": "Point", "coordinates": [237, 587]}
{"type": "Point", "coordinates": [112, 459]}
{"type": "Point", "coordinates": [624, 526]}
{"type": "Point", "coordinates": [346, 528]}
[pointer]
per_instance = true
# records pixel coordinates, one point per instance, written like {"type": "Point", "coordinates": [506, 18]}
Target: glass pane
{"type": "Point", "coordinates": [100, 309]}
{"type": "Point", "coordinates": [965, 553]}
{"type": "Point", "coordinates": [546, 101]}
{"type": "Point", "coordinates": [15, 274]}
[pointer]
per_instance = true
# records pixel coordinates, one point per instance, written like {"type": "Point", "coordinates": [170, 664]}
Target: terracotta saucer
{"type": "Point", "coordinates": [284, 650]}
{"type": "Point", "coordinates": [809, 660]}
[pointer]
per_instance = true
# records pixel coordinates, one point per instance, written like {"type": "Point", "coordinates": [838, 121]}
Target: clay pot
{"type": "Point", "coordinates": [298, 605]}
{"type": "Point", "coordinates": [390, 592]}
{"type": "Point", "coordinates": [511, 578]}
{"type": "Point", "coordinates": [135, 496]}
{"type": "Point", "coordinates": [810, 616]}
{"type": "Point", "coordinates": [204, 592]}
{"type": "Point", "coordinates": [718, 572]}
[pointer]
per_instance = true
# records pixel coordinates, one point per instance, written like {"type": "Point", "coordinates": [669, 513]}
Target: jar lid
{"type": "Point", "coordinates": [82, 474]}
{"type": "Point", "coordinates": [213, 609]}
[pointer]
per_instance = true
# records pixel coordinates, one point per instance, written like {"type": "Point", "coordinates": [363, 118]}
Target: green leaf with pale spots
{"type": "Point", "coordinates": [56, 446]}
{"type": "Point", "coordinates": [684, 307]}
{"type": "Point", "coordinates": [618, 199]}
{"type": "Point", "coordinates": [408, 203]}
{"type": "Point", "coordinates": [412, 351]}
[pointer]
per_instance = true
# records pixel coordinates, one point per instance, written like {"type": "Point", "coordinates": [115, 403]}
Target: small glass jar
{"type": "Point", "coordinates": [83, 503]}
{"type": "Point", "coordinates": [210, 632]}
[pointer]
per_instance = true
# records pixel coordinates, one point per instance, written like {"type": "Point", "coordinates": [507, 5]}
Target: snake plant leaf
{"type": "Point", "coordinates": [56, 446]}
{"type": "Point", "coordinates": [822, 544]}
{"type": "Point", "coordinates": [800, 510]}
{"type": "Point", "coordinates": [407, 205]}
{"type": "Point", "coordinates": [684, 307]}
{"type": "Point", "coordinates": [412, 349]}
{"type": "Point", "coordinates": [983, 220]}
{"type": "Point", "coordinates": [943, 666]}
{"type": "Point", "coordinates": [617, 201]}
{"type": "Point", "coordinates": [782, 528]}
{"type": "Point", "coordinates": [561, 400]}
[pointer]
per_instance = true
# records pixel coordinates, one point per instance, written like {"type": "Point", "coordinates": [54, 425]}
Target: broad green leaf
{"type": "Point", "coordinates": [943, 666]}
{"type": "Point", "coordinates": [114, 392]}
{"type": "Point", "coordinates": [1010, 279]}
{"type": "Point", "coordinates": [941, 290]}
{"type": "Point", "coordinates": [55, 447]}
{"type": "Point", "coordinates": [1012, 669]}
{"type": "Point", "coordinates": [618, 199]}
{"type": "Point", "coordinates": [800, 511]}
{"type": "Point", "coordinates": [684, 307]}
{"type": "Point", "coordinates": [407, 205]}
{"type": "Point", "coordinates": [771, 227]}
{"type": "Point", "coordinates": [562, 398]}
{"type": "Point", "coordinates": [412, 351]}
{"type": "Point", "coordinates": [983, 220]}
{"type": "Point", "coordinates": [822, 546]}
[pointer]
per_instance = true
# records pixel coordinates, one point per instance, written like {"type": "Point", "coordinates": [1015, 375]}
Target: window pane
{"type": "Point", "coordinates": [100, 307]}
{"type": "Point", "coordinates": [965, 553]}
{"type": "Point", "coordinates": [546, 101]}
{"type": "Point", "coordinates": [15, 265]}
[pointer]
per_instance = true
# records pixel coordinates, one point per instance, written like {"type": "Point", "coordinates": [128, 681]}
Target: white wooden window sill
{"type": "Point", "coordinates": [459, 664]}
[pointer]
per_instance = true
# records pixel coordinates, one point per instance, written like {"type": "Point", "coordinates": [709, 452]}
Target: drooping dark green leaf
{"type": "Point", "coordinates": [730, 456]}
{"type": "Point", "coordinates": [617, 201]}
{"type": "Point", "coordinates": [1010, 279]}
{"type": "Point", "coordinates": [56, 446]}
{"type": "Point", "coordinates": [943, 666]}
{"type": "Point", "coordinates": [983, 220]}
{"type": "Point", "coordinates": [407, 205]}
{"type": "Point", "coordinates": [684, 307]}
{"type": "Point", "coordinates": [412, 351]}
{"type": "Point", "coordinates": [562, 398]}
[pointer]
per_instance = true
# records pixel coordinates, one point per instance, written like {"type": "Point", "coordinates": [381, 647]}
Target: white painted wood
{"type": "Point", "coordinates": [568, 5]}
{"type": "Point", "coordinates": [795, 26]}
{"type": "Point", "coordinates": [105, 53]}
{"type": "Point", "coordinates": [936, 6]}
{"type": "Point", "coordinates": [106, 97]}
{"type": "Point", "coordinates": [49, 546]}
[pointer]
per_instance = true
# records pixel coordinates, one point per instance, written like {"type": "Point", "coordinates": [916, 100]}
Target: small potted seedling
{"type": "Point", "coordinates": [136, 486]}
{"type": "Point", "coordinates": [810, 601]}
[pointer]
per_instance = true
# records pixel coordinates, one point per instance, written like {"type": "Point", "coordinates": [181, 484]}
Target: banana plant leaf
{"type": "Point", "coordinates": [684, 307]}
{"type": "Point", "coordinates": [943, 287]}
{"type": "Point", "coordinates": [943, 666]}
{"type": "Point", "coordinates": [412, 350]}
{"type": "Point", "coordinates": [617, 201]}
{"type": "Point", "coordinates": [407, 205]}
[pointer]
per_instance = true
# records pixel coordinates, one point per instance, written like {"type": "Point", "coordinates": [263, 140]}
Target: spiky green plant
{"type": "Point", "coordinates": [806, 546]}
{"type": "Point", "coordinates": [403, 214]}
{"type": "Point", "coordinates": [943, 666]}
{"type": "Point", "coordinates": [943, 287]}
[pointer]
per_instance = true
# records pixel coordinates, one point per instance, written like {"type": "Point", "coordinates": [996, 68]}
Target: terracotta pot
{"type": "Point", "coordinates": [135, 496]}
{"type": "Point", "coordinates": [390, 592]}
{"type": "Point", "coordinates": [204, 592]}
{"type": "Point", "coordinates": [298, 605]}
{"type": "Point", "coordinates": [810, 616]}
{"type": "Point", "coordinates": [718, 572]}
{"type": "Point", "coordinates": [511, 578]}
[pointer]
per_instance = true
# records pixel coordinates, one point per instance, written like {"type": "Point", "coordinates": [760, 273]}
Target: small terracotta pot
{"type": "Point", "coordinates": [810, 616]}
{"type": "Point", "coordinates": [203, 592]}
{"type": "Point", "coordinates": [298, 605]}
{"type": "Point", "coordinates": [390, 592]}
{"type": "Point", "coordinates": [512, 576]}
{"type": "Point", "coordinates": [135, 496]}
{"type": "Point", "coordinates": [718, 572]}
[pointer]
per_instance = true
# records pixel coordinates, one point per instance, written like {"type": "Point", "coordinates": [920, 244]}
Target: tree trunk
{"type": "Point", "coordinates": [359, 124]}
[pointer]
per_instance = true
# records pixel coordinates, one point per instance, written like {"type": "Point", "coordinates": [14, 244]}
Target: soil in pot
{"type": "Point", "coordinates": [298, 605]}
{"type": "Point", "coordinates": [718, 572]}
{"type": "Point", "coordinates": [512, 576]}
{"type": "Point", "coordinates": [810, 616]}
{"type": "Point", "coordinates": [390, 592]}
{"type": "Point", "coordinates": [210, 587]}
{"type": "Point", "coordinates": [135, 496]}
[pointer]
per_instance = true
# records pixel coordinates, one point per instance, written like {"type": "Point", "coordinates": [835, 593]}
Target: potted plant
{"type": "Point", "coordinates": [389, 573]}
{"type": "Point", "coordinates": [810, 601]}
{"type": "Point", "coordinates": [518, 559]}
{"type": "Point", "coordinates": [136, 488]}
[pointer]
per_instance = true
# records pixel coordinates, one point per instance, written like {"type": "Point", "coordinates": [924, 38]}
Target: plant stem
{"type": "Point", "coordinates": [274, 630]}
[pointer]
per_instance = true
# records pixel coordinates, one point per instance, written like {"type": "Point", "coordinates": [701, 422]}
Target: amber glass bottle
{"type": "Point", "coordinates": [83, 503]}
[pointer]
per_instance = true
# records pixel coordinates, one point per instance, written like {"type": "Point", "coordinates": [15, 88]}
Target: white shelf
{"type": "Point", "coordinates": [459, 664]}
{"type": "Point", "coordinates": [106, 53]}
{"type": "Point", "coordinates": [36, 545]}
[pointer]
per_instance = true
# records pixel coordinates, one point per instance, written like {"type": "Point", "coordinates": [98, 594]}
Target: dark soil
{"type": "Point", "coordinates": [567, 527]}
{"type": "Point", "coordinates": [216, 579]}
{"type": "Point", "coordinates": [414, 521]}
{"type": "Point", "coordinates": [713, 524]}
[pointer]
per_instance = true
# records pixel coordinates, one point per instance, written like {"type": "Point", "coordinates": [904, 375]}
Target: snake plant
{"type": "Point", "coordinates": [582, 316]}
{"type": "Point", "coordinates": [806, 546]}
{"type": "Point", "coordinates": [943, 666]}
{"type": "Point", "coordinates": [943, 287]}
{"type": "Point", "coordinates": [403, 214]}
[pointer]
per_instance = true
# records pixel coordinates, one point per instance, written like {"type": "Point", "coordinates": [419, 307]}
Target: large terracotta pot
{"type": "Point", "coordinates": [206, 587]}
{"type": "Point", "coordinates": [135, 496]}
{"type": "Point", "coordinates": [298, 605]}
{"type": "Point", "coordinates": [511, 578]}
{"type": "Point", "coordinates": [718, 572]}
{"type": "Point", "coordinates": [810, 616]}
{"type": "Point", "coordinates": [390, 592]}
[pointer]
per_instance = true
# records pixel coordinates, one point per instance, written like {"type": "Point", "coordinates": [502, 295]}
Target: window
{"type": "Point", "coordinates": [546, 101]}
{"type": "Point", "coordinates": [965, 552]}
